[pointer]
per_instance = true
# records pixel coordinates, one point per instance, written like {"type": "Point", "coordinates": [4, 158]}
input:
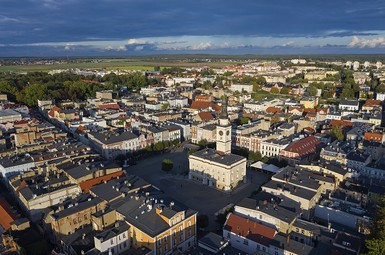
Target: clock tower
{"type": "Point", "coordinates": [224, 130]}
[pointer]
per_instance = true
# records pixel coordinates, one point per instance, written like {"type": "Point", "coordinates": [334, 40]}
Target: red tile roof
{"type": "Point", "coordinates": [198, 105]}
{"type": "Point", "coordinates": [291, 108]}
{"type": "Point", "coordinates": [273, 109]}
{"type": "Point", "coordinates": [6, 215]}
{"type": "Point", "coordinates": [303, 147]}
{"type": "Point", "coordinates": [113, 106]}
{"type": "Point", "coordinates": [372, 102]}
{"type": "Point", "coordinates": [249, 229]}
{"type": "Point", "coordinates": [53, 110]}
{"type": "Point", "coordinates": [87, 185]}
{"type": "Point", "coordinates": [205, 116]}
{"type": "Point", "coordinates": [343, 123]}
{"type": "Point", "coordinates": [376, 137]}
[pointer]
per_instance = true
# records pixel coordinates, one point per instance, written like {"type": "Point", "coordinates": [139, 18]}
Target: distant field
{"type": "Point", "coordinates": [122, 64]}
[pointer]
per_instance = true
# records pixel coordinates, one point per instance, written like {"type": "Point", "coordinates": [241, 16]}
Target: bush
{"type": "Point", "coordinates": [167, 165]}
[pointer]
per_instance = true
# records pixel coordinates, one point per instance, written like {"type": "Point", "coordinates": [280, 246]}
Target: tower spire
{"type": "Point", "coordinates": [224, 114]}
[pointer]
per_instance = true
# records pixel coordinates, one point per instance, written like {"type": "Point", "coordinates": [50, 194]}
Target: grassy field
{"type": "Point", "coordinates": [122, 64]}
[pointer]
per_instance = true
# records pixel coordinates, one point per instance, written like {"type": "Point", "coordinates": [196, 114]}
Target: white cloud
{"type": "Point", "coordinates": [4, 19]}
{"type": "Point", "coordinates": [69, 46]}
{"type": "Point", "coordinates": [367, 42]}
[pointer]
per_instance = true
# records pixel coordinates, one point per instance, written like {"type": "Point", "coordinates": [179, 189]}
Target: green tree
{"type": "Point", "coordinates": [33, 93]}
{"type": "Point", "coordinates": [312, 90]}
{"type": "Point", "coordinates": [156, 68]}
{"type": "Point", "coordinates": [256, 156]}
{"type": "Point", "coordinates": [285, 91]}
{"type": "Point", "coordinates": [167, 165]}
{"type": "Point", "coordinates": [347, 91]}
{"type": "Point", "coordinates": [337, 133]}
{"type": "Point", "coordinates": [274, 90]}
{"type": "Point", "coordinates": [158, 146]}
{"type": "Point", "coordinates": [375, 244]}
{"type": "Point", "coordinates": [380, 88]}
{"type": "Point", "coordinates": [327, 95]}
{"type": "Point", "coordinates": [244, 120]}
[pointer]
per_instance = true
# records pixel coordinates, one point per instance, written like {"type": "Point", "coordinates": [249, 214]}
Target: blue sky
{"type": "Point", "coordinates": [139, 27]}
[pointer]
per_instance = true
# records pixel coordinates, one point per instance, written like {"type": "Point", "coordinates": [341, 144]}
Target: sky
{"type": "Point", "coordinates": [146, 27]}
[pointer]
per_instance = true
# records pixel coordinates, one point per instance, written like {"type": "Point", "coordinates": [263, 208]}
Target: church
{"type": "Point", "coordinates": [219, 168]}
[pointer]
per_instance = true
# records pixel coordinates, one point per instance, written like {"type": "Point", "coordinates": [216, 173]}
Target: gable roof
{"type": "Point", "coordinates": [343, 123]}
{"type": "Point", "coordinates": [249, 229]}
{"type": "Point", "coordinates": [198, 105]}
{"type": "Point", "coordinates": [304, 146]}
{"type": "Point", "coordinates": [205, 116]}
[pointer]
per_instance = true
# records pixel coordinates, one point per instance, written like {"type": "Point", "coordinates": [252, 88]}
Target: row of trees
{"type": "Point", "coordinates": [28, 88]}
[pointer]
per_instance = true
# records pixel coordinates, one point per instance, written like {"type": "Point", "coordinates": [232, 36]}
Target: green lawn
{"type": "Point", "coordinates": [123, 64]}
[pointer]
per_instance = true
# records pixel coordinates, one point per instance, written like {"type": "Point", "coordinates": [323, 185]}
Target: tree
{"type": "Point", "coordinates": [167, 165]}
{"type": "Point", "coordinates": [312, 91]}
{"type": "Point", "coordinates": [285, 90]}
{"type": "Point", "coordinates": [347, 91]}
{"type": "Point", "coordinates": [380, 88]}
{"type": "Point", "coordinates": [337, 133]}
{"type": "Point", "coordinates": [244, 120]}
{"type": "Point", "coordinates": [158, 146]}
{"type": "Point", "coordinates": [156, 68]}
{"type": "Point", "coordinates": [165, 106]}
{"type": "Point", "coordinates": [375, 244]}
{"type": "Point", "coordinates": [256, 156]}
{"type": "Point", "coordinates": [274, 90]}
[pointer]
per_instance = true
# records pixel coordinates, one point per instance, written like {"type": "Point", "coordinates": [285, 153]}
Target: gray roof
{"type": "Point", "coordinates": [113, 137]}
{"type": "Point", "coordinates": [293, 190]}
{"type": "Point", "coordinates": [77, 208]}
{"type": "Point", "coordinates": [290, 245]}
{"type": "Point", "coordinates": [114, 188]}
{"type": "Point", "coordinates": [9, 112]}
{"type": "Point", "coordinates": [117, 229]}
{"type": "Point", "coordinates": [140, 211]}
{"type": "Point", "coordinates": [16, 160]}
{"type": "Point", "coordinates": [349, 102]}
{"type": "Point", "coordinates": [269, 208]}
{"type": "Point", "coordinates": [212, 155]}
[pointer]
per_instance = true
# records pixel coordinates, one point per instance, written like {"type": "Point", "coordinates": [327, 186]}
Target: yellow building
{"type": "Point", "coordinates": [160, 225]}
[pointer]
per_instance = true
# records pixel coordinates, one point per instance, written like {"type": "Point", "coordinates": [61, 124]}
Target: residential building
{"type": "Point", "coordinates": [242, 87]}
{"type": "Point", "coordinates": [349, 105]}
{"type": "Point", "coordinates": [111, 144]}
{"type": "Point", "coordinates": [247, 235]}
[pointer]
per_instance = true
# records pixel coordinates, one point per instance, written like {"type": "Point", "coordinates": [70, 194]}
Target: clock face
{"type": "Point", "coordinates": [227, 132]}
{"type": "Point", "coordinates": [221, 132]}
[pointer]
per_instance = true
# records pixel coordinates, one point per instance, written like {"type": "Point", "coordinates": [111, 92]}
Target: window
{"type": "Point", "coordinates": [246, 242]}
{"type": "Point", "coordinates": [112, 241]}
{"type": "Point", "coordinates": [228, 235]}
{"type": "Point", "coordinates": [124, 235]}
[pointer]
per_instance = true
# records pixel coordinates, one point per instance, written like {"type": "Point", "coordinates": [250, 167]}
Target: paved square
{"type": "Point", "coordinates": [199, 197]}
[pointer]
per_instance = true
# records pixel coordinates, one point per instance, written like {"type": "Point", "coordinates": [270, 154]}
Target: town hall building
{"type": "Point", "coordinates": [219, 168]}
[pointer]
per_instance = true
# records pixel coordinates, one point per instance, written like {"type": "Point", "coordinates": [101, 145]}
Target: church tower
{"type": "Point", "coordinates": [224, 130]}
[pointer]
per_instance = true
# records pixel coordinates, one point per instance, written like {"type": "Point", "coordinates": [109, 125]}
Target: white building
{"type": "Point", "coordinates": [9, 115]}
{"type": "Point", "coordinates": [242, 87]}
{"type": "Point", "coordinates": [349, 105]}
{"type": "Point", "coordinates": [272, 147]}
{"type": "Point", "coordinates": [380, 96]}
{"type": "Point", "coordinates": [356, 65]}
{"type": "Point", "coordinates": [219, 168]}
{"type": "Point", "coordinates": [247, 235]}
{"type": "Point", "coordinates": [178, 102]}
{"type": "Point", "coordinates": [115, 240]}
{"type": "Point", "coordinates": [13, 165]}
